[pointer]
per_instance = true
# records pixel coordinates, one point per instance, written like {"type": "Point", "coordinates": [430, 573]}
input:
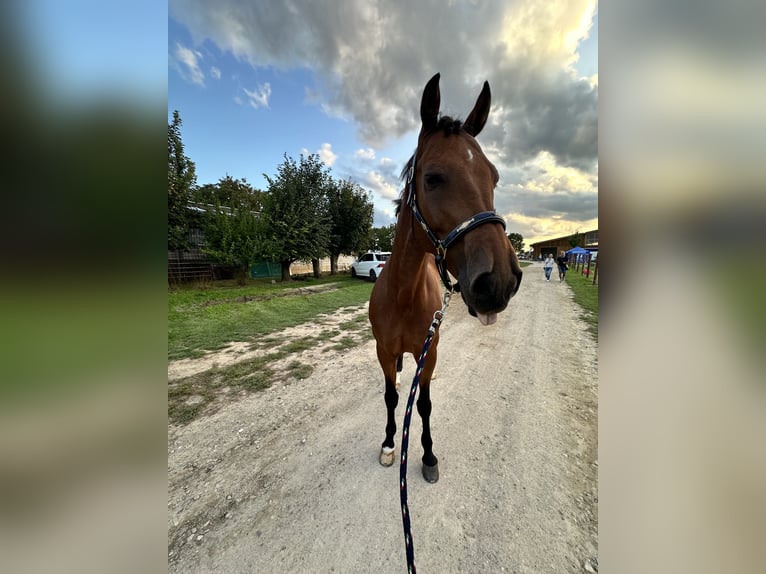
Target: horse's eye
{"type": "Point", "coordinates": [434, 180]}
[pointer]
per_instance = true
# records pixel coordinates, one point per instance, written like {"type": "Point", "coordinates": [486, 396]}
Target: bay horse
{"type": "Point", "coordinates": [449, 193]}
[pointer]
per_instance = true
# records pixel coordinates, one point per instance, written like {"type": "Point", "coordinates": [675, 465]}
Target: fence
{"type": "Point", "coordinates": [587, 267]}
{"type": "Point", "coordinates": [182, 270]}
{"type": "Point", "coordinates": [306, 268]}
{"type": "Point", "coordinates": [192, 267]}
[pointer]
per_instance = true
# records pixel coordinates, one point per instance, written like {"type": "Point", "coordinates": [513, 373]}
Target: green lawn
{"type": "Point", "coordinates": [206, 319]}
{"type": "Point", "coordinates": [586, 296]}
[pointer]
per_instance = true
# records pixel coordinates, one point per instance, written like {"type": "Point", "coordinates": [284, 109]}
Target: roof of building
{"type": "Point", "coordinates": [562, 238]}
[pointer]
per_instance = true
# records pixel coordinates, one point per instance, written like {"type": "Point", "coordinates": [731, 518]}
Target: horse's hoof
{"type": "Point", "coordinates": [387, 456]}
{"type": "Point", "coordinates": [431, 473]}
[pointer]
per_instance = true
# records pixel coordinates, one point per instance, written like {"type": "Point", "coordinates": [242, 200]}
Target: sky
{"type": "Point", "coordinates": [255, 79]}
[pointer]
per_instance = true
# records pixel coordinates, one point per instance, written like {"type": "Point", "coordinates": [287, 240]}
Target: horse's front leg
{"type": "Point", "coordinates": [430, 462]}
{"type": "Point", "coordinates": [390, 371]}
{"type": "Point", "coordinates": [387, 450]}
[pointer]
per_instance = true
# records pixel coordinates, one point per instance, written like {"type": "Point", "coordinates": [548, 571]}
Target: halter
{"type": "Point", "coordinates": [441, 245]}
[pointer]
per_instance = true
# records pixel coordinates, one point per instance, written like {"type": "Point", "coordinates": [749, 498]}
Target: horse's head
{"type": "Point", "coordinates": [453, 192]}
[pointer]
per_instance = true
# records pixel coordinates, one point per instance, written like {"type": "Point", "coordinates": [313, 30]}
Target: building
{"type": "Point", "coordinates": [588, 240]}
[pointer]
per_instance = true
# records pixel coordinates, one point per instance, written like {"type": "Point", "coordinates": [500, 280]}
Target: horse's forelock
{"type": "Point", "coordinates": [449, 126]}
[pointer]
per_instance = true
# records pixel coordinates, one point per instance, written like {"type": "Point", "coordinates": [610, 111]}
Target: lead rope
{"type": "Point", "coordinates": [438, 316]}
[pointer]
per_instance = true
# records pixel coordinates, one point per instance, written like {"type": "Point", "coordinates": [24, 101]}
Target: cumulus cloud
{"type": "Point", "coordinates": [259, 97]}
{"type": "Point", "coordinates": [187, 64]}
{"type": "Point", "coordinates": [381, 185]}
{"type": "Point", "coordinates": [375, 57]}
{"type": "Point", "coordinates": [367, 153]}
{"type": "Point", "coordinates": [371, 61]}
{"type": "Point", "coordinates": [326, 154]}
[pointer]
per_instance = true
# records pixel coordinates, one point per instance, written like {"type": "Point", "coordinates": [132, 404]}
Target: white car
{"type": "Point", "coordinates": [370, 264]}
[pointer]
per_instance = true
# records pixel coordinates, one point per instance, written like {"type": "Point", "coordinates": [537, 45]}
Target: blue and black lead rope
{"type": "Point", "coordinates": [438, 316]}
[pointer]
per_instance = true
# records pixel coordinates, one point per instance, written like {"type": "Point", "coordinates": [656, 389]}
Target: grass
{"type": "Point", "coordinates": [204, 319]}
{"type": "Point", "coordinates": [207, 319]}
{"type": "Point", "coordinates": [586, 296]}
{"type": "Point", "coordinates": [190, 396]}
{"type": "Point", "coordinates": [344, 343]}
{"type": "Point", "coordinates": [300, 370]}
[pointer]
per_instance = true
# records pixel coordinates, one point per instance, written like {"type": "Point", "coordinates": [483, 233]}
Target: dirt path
{"type": "Point", "coordinates": [287, 480]}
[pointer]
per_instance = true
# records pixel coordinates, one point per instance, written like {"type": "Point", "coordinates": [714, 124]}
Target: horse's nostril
{"type": "Point", "coordinates": [517, 275]}
{"type": "Point", "coordinates": [490, 293]}
{"type": "Point", "coordinates": [482, 285]}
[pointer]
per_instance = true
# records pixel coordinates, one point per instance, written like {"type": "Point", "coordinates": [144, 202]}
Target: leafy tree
{"type": "Point", "coordinates": [350, 210]}
{"type": "Point", "coordinates": [232, 230]}
{"type": "Point", "coordinates": [295, 214]}
{"type": "Point", "coordinates": [232, 237]}
{"type": "Point", "coordinates": [381, 238]}
{"type": "Point", "coordinates": [230, 192]}
{"type": "Point", "coordinates": [576, 239]}
{"type": "Point", "coordinates": [182, 179]}
{"type": "Point", "coordinates": [517, 241]}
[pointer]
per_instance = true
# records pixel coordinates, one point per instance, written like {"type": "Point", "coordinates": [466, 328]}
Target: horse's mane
{"type": "Point", "coordinates": [449, 126]}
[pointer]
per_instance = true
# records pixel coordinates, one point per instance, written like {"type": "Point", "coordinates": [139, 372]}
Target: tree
{"type": "Point", "coordinates": [182, 179]}
{"type": "Point", "coordinates": [517, 241]}
{"type": "Point", "coordinates": [576, 239]}
{"type": "Point", "coordinates": [381, 238]}
{"type": "Point", "coordinates": [350, 209]}
{"type": "Point", "coordinates": [295, 214]}
{"type": "Point", "coordinates": [230, 192]}
{"type": "Point", "coordinates": [232, 230]}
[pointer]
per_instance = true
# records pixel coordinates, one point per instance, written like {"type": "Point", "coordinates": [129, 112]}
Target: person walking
{"type": "Point", "coordinates": [561, 260]}
{"type": "Point", "coordinates": [548, 266]}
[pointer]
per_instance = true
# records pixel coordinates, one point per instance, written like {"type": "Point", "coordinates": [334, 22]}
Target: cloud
{"type": "Point", "coordinates": [367, 153]}
{"type": "Point", "coordinates": [374, 59]}
{"type": "Point", "coordinates": [259, 97]}
{"type": "Point", "coordinates": [380, 184]}
{"type": "Point", "coordinates": [187, 64]}
{"type": "Point", "coordinates": [326, 154]}
{"type": "Point", "coordinates": [371, 60]}
{"type": "Point", "coordinates": [215, 72]}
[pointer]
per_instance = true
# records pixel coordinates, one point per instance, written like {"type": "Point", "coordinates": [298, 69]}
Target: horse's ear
{"type": "Point", "coordinates": [429, 105]}
{"type": "Point", "coordinates": [480, 112]}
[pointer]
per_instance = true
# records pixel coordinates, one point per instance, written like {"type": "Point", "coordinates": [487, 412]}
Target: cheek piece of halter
{"type": "Point", "coordinates": [441, 245]}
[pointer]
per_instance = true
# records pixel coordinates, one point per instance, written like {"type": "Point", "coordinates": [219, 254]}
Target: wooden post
{"type": "Point", "coordinates": [595, 272]}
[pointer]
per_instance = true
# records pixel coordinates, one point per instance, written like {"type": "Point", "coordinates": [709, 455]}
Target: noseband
{"type": "Point", "coordinates": [441, 245]}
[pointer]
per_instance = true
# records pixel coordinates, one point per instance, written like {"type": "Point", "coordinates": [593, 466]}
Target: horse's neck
{"type": "Point", "coordinates": [410, 253]}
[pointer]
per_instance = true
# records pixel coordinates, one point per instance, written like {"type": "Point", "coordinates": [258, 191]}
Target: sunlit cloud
{"type": "Point", "coordinates": [367, 153]}
{"type": "Point", "coordinates": [542, 132]}
{"type": "Point", "coordinates": [326, 154]}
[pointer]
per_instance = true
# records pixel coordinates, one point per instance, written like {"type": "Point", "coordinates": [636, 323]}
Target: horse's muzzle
{"type": "Point", "coordinates": [489, 293]}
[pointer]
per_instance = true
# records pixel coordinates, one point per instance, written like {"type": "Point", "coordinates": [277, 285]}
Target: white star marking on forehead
{"type": "Point", "coordinates": [470, 154]}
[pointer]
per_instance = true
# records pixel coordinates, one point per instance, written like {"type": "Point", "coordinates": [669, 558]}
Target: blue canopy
{"type": "Point", "coordinates": [576, 250]}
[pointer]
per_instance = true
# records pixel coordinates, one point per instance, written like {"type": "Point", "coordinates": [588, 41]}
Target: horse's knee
{"type": "Point", "coordinates": [391, 396]}
{"type": "Point", "coordinates": [424, 407]}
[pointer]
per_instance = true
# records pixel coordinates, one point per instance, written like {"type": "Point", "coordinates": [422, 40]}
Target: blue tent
{"type": "Point", "coordinates": [577, 250]}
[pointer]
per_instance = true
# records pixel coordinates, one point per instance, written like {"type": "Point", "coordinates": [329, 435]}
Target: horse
{"type": "Point", "coordinates": [449, 194]}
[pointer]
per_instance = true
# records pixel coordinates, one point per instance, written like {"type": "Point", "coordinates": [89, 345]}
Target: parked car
{"type": "Point", "coordinates": [370, 264]}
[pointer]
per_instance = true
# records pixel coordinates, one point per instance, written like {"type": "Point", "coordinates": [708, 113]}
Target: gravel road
{"type": "Point", "coordinates": [288, 479]}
